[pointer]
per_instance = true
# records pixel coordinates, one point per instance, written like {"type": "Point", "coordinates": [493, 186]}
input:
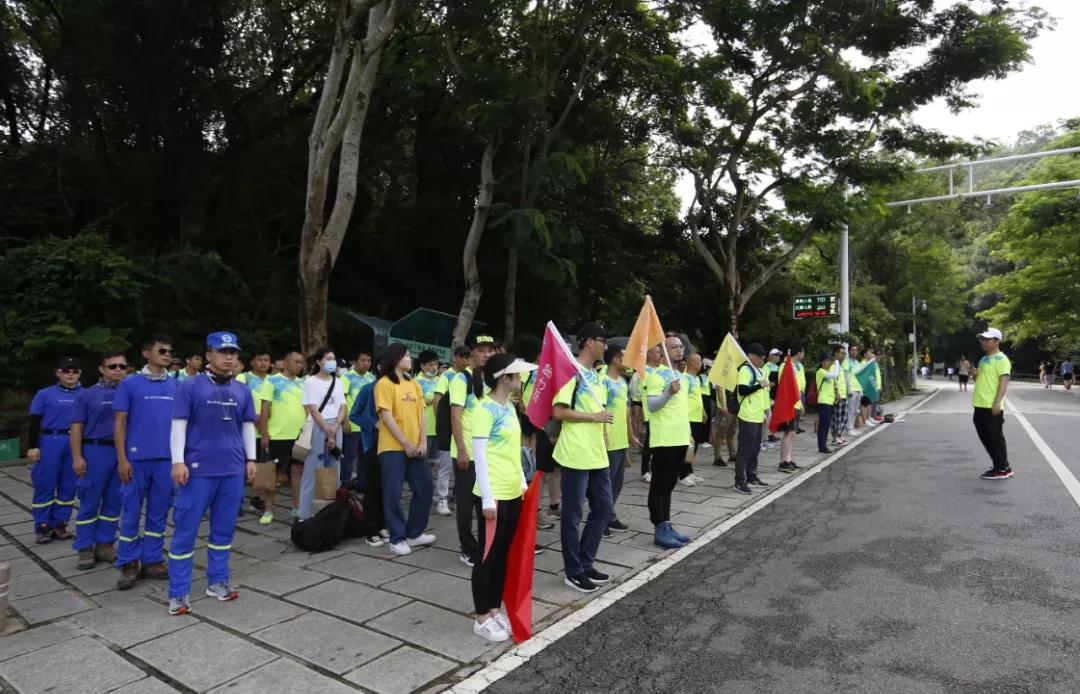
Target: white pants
{"type": "Point", "coordinates": [444, 472]}
{"type": "Point", "coordinates": [853, 407]}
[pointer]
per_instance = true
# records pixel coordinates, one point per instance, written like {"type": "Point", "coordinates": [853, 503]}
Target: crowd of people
{"type": "Point", "coordinates": [187, 436]}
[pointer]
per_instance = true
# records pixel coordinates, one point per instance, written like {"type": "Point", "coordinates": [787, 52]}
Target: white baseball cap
{"type": "Point", "coordinates": [775, 351]}
{"type": "Point", "coordinates": [990, 334]}
{"type": "Point", "coordinates": [518, 366]}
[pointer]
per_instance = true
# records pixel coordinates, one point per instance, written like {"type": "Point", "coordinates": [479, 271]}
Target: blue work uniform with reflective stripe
{"type": "Point", "coordinates": [99, 487]}
{"type": "Point", "coordinates": [148, 404]}
{"type": "Point", "coordinates": [52, 476]}
{"type": "Point", "coordinates": [214, 454]}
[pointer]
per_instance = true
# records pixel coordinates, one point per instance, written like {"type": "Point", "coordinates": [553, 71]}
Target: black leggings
{"type": "Point", "coordinates": [646, 452]}
{"type": "Point", "coordinates": [666, 463]}
{"type": "Point", "coordinates": [489, 572]}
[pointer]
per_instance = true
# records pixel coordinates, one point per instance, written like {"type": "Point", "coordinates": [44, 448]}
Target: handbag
{"type": "Point", "coordinates": [302, 445]}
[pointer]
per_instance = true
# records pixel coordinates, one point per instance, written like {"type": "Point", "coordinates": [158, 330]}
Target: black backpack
{"type": "Point", "coordinates": [324, 530]}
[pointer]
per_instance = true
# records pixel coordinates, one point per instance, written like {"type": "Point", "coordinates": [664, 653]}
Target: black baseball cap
{"type": "Point", "coordinates": [68, 363]}
{"type": "Point", "coordinates": [479, 340]}
{"type": "Point", "coordinates": [826, 355]}
{"type": "Point", "coordinates": [590, 331]}
{"type": "Point", "coordinates": [462, 351]}
{"type": "Point", "coordinates": [755, 348]}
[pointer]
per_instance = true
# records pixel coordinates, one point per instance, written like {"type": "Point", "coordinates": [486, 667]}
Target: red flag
{"type": "Point", "coordinates": [517, 590]}
{"type": "Point", "coordinates": [787, 395]}
{"type": "Point", "coordinates": [555, 367]}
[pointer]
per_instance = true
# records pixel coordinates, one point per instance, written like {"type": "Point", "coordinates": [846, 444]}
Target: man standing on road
{"type": "Point", "coordinates": [1067, 373]}
{"type": "Point", "coordinates": [753, 394]}
{"type": "Point", "coordinates": [50, 453]}
{"type": "Point", "coordinates": [258, 380]}
{"type": "Point", "coordinates": [462, 402]}
{"type": "Point", "coordinates": [582, 452]}
{"type": "Point", "coordinates": [991, 383]}
{"type": "Point", "coordinates": [286, 418]}
{"type": "Point", "coordinates": [353, 380]}
{"type": "Point", "coordinates": [143, 411]}
{"type": "Point", "coordinates": [963, 369]}
{"type": "Point", "coordinates": [669, 432]}
{"type": "Point", "coordinates": [440, 407]}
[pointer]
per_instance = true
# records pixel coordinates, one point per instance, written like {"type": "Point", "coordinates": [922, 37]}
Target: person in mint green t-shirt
{"type": "Point", "coordinates": [669, 437]}
{"type": "Point", "coordinates": [258, 380]}
{"type": "Point", "coordinates": [991, 383]}
{"type": "Point", "coordinates": [620, 434]}
{"type": "Point", "coordinates": [498, 489]}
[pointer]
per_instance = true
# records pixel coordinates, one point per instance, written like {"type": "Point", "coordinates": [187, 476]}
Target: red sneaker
{"type": "Point", "coordinates": [997, 474]}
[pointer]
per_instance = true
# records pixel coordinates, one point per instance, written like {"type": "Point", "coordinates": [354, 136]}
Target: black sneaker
{"type": "Point", "coordinates": [756, 482]}
{"type": "Point", "coordinates": [773, 439]}
{"type": "Point", "coordinates": [538, 549]}
{"type": "Point", "coordinates": [792, 465]}
{"type": "Point", "coordinates": [618, 526]}
{"type": "Point", "coordinates": [731, 459]}
{"type": "Point", "coordinates": [785, 467]}
{"type": "Point", "coordinates": [607, 534]}
{"type": "Point", "coordinates": [997, 474]}
{"type": "Point", "coordinates": [743, 489]}
{"type": "Point", "coordinates": [580, 583]}
{"type": "Point", "coordinates": [258, 504]}
{"type": "Point", "coordinates": [824, 451]}
{"type": "Point", "coordinates": [800, 431]}
{"type": "Point", "coordinates": [597, 577]}
{"type": "Point", "coordinates": [465, 559]}
{"type": "Point", "coordinates": [719, 462]}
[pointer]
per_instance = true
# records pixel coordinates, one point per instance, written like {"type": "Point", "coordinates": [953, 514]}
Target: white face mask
{"type": "Point", "coordinates": [329, 366]}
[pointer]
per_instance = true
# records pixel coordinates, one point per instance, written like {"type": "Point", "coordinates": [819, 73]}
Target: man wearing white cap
{"type": "Point", "coordinates": [991, 383]}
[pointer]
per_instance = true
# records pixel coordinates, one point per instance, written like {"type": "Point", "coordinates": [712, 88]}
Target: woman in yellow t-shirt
{"type": "Point", "coordinates": [403, 451]}
{"type": "Point", "coordinates": [500, 483]}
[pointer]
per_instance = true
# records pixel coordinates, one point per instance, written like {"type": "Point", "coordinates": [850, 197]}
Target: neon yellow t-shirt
{"type": "Point", "coordinates": [826, 393]}
{"type": "Point", "coordinates": [442, 386]}
{"type": "Point", "coordinates": [351, 383]}
{"type": "Point", "coordinates": [695, 408]}
{"type": "Point", "coordinates": [852, 368]}
{"type": "Point", "coordinates": [261, 390]}
{"type": "Point", "coordinates": [427, 385]}
{"type": "Point", "coordinates": [581, 444]}
{"type": "Point", "coordinates": [462, 395]}
{"type": "Point", "coordinates": [670, 425]}
{"type": "Point", "coordinates": [499, 425]}
{"type": "Point", "coordinates": [987, 381]}
{"type": "Point", "coordinates": [287, 412]}
{"type": "Point", "coordinates": [618, 401]}
{"type": "Point", "coordinates": [752, 407]}
{"type": "Point", "coordinates": [800, 375]}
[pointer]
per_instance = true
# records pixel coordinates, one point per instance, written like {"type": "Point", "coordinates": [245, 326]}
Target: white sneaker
{"type": "Point", "coordinates": [442, 508]}
{"type": "Point", "coordinates": [504, 622]}
{"type": "Point", "coordinates": [647, 477]}
{"type": "Point", "coordinates": [374, 541]}
{"type": "Point", "coordinates": [384, 534]}
{"type": "Point", "coordinates": [687, 482]}
{"type": "Point", "coordinates": [420, 540]}
{"type": "Point", "coordinates": [697, 480]}
{"type": "Point", "coordinates": [852, 432]}
{"type": "Point", "coordinates": [870, 423]}
{"type": "Point", "coordinates": [400, 548]}
{"type": "Point", "coordinates": [490, 631]}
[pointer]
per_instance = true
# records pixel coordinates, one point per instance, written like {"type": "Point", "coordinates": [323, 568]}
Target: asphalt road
{"type": "Point", "coordinates": [895, 570]}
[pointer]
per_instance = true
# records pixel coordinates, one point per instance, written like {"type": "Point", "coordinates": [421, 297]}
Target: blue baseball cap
{"type": "Point", "coordinates": [222, 340]}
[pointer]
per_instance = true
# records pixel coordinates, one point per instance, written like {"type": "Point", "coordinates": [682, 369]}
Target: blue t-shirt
{"type": "Point", "coordinates": [148, 404]}
{"type": "Point", "coordinates": [94, 410]}
{"type": "Point", "coordinates": [215, 415]}
{"type": "Point", "coordinates": [1066, 368]}
{"type": "Point", "coordinates": [364, 416]}
{"type": "Point", "coordinates": [54, 405]}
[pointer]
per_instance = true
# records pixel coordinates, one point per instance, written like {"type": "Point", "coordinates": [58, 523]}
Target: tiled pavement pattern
{"type": "Point", "coordinates": [336, 621]}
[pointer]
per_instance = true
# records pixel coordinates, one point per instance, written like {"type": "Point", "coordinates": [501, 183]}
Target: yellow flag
{"type": "Point", "coordinates": [725, 370]}
{"type": "Point", "coordinates": [647, 334]}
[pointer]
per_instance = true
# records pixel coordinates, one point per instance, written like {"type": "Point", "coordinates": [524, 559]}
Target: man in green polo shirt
{"type": "Point", "coordinates": [582, 452]}
{"type": "Point", "coordinates": [753, 394]}
{"type": "Point", "coordinates": [287, 417]}
{"type": "Point", "coordinates": [463, 401]}
{"type": "Point", "coordinates": [991, 383]}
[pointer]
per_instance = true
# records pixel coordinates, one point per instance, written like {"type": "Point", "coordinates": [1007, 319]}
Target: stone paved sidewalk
{"type": "Point", "coordinates": [353, 618]}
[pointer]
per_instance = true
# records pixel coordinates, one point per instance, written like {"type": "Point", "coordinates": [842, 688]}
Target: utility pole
{"type": "Point", "coordinates": [845, 278]}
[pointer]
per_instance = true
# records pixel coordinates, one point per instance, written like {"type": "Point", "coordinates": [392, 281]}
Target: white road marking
{"type": "Point", "coordinates": [523, 652]}
{"type": "Point", "coordinates": [1063, 473]}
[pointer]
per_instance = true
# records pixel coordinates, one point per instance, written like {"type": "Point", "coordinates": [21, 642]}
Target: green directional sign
{"type": "Point", "coordinates": [425, 328]}
{"type": "Point", "coordinates": [815, 306]}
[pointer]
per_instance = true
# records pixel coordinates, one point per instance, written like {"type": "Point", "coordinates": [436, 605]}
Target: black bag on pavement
{"type": "Point", "coordinates": [324, 530]}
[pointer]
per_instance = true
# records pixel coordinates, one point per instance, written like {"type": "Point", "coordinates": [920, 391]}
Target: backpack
{"type": "Point", "coordinates": [811, 390]}
{"type": "Point", "coordinates": [442, 423]}
{"type": "Point", "coordinates": [734, 402]}
{"type": "Point", "coordinates": [553, 427]}
{"type": "Point", "coordinates": [324, 530]}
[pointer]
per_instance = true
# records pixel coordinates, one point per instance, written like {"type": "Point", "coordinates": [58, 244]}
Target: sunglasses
{"type": "Point", "coordinates": [164, 350]}
{"type": "Point", "coordinates": [116, 367]}
{"type": "Point", "coordinates": [71, 371]}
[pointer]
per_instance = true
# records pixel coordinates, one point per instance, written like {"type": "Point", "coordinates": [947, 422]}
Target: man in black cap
{"type": "Point", "coordinates": [753, 394]}
{"type": "Point", "coordinates": [440, 404]}
{"type": "Point", "coordinates": [50, 453]}
{"type": "Point", "coordinates": [581, 450]}
{"type": "Point", "coordinates": [462, 402]}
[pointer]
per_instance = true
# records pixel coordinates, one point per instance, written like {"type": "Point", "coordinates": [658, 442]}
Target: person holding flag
{"type": "Point", "coordinates": [581, 450]}
{"type": "Point", "coordinates": [669, 429]}
{"type": "Point", "coordinates": [497, 493]}
{"type": "Point", "coordinates": [786, 408]}
{"type": "Point", "coordinates": [753, 394]}
{"type": "Point", "coordinates": [462, 403]}
{"type": "Point", "coordinates": [724, 374]}
{"type": "Point", "coordinates": [643, 354]}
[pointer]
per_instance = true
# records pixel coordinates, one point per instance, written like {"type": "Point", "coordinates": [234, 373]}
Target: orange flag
{"type": "Point", "coordinates": [647, 334]}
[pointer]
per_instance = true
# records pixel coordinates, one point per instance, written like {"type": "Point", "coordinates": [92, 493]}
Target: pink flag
{"type": "Point", "coordinates": [555, 367]}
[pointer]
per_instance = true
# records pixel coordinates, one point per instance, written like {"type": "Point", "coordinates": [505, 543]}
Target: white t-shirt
{"type": "Point", "coordinates": [315, 391]}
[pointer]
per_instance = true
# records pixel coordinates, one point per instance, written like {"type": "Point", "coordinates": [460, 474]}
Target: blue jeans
{"type": "Point", "coordinates": [395, 469]}
{"type": "Point", "coordinates": [579, 551]}
{"type": "Point", "coordinates": [825, 415]}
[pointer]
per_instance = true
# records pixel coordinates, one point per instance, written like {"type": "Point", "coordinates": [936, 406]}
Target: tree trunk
{"type": "Point", "coordinates": [734, 313]}
{"type": "Point", "coordinates": [338, 129]}
{"type": "Point", "coordinates": [510, 297]}
{"type": "Point", "coordinates": [470, 302]}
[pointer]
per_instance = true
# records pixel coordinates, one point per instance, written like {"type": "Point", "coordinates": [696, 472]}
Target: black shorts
{"type": "Point", "coordinates": [527, 427]}
{"type": "Point", "coordinates": [545, 460]}
{"type": "Point", "coordinates": [865, 402]}
{"type": "Point", "coordinates": [1066, 377]}
{"type": "Point", "coordinates": [963, 378]}
{"type": "Point", "coordinates": [699, 431]}
{"type": "Point", "coordinates": [787, 426]}
{"type": "Point", "coordinates": [281, 453]}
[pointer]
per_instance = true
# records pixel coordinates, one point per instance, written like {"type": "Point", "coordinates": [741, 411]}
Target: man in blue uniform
{"type": "Point", "coordinates": [93, 453]}
{"type": "Point", "coordinates": [50, 452]}
{"type": "Point", "coordinates": [213, 452]}
{"type": "Point", "coordinates": [143, 411]}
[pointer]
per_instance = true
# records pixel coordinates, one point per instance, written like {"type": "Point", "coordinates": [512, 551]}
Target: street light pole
{"type": "Point", "coordinates": [914, 345]}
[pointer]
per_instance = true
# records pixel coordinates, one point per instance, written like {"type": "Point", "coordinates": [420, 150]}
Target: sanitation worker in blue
{"type": "Point", "coordinates": [93, 452]}
{"type": "Point", "coordinates": [143, 419]}
{"type": "Point", "coordinates": [50, 453]}
{"type": "Point", "coordinates": [213, 452]}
